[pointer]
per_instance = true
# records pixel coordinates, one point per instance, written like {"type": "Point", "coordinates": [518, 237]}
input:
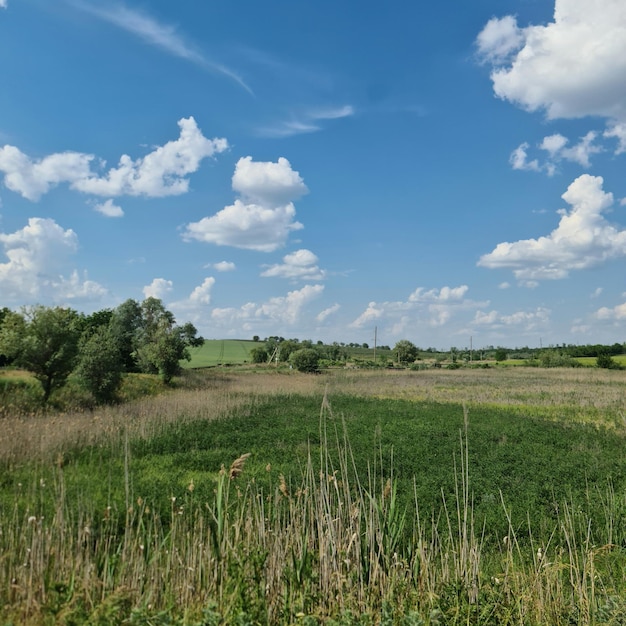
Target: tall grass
{"type": "Point", "coordinates": [333, 544]}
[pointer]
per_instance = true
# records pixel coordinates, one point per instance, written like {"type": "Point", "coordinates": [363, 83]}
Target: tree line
{"type": "Point", "coordinates": [55, 342]}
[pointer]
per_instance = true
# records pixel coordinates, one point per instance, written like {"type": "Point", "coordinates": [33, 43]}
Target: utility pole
{"type": "Point", "coordinates": [375, 337]}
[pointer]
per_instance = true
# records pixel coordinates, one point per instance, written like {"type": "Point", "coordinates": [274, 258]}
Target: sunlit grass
{"type": "Point", "coordinates": [437, 497]}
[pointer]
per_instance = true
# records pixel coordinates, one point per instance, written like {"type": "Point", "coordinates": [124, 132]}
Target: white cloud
{"type": "Point", "coordinates": [278, 310]}
{"type": "Point", "coordinates": [437, 296]}
{"type": "Point", "coordinates": [555, 146]}
{"type": "Point", "coordinates": [202, 293]}
{"type": "Point", "coordinates": [597, 292]}
{"type": "Point", "coordinates": [519, 159]}
{"type": "Point", "coordinates": [323, 315]}
{"type": "Point", "coordinates": [307, 122]}
{"type": "Point", "coordinates": [265, 216]}
{"type": "Point", "coordinates": [160, 35]}
{"type": "Point", "coordinates": [582, 239]}
{"type": "Point", "coordinates": [432, 308]}
{"type": "Point", "coordinates": [37, 256]}
{"type": "Point", "coordinates": [224, 266]}
{"type": "Point", "coordinates": [162, 172]}
{"type": "Point", "coordinates": [3, 4]}
{"type": "Point", "coordinates": [618, 131]}
{"type": "Point", "coordinates": [521, 321]}
{"type": "Point", "coordinates": [572, 67]}
{"type": "Point", "coordinates": [299, 265]}
{"type": "Point", "coordinates": [268, 183]}
{"type": "Point", "coordinates": [109, 209]}
{"type": "Point", "coordinates": [158, 288]}
{"type": "Point", "coordinates": [32, 179]}
{"type": "Point", "coordinates": [499, 39]}
{"type": "Point", "coordinates": [615, 314]}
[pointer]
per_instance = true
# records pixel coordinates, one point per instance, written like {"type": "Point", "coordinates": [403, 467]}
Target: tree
{"type": "Point", "coordinates": [501, 354]}
{"type": "Point", "coordinates": [43, 341]}
{"type": "Point", "coordinates": [259, 355]}
{"type": "Point", "coordinates": [4, 359]}
{"type": "Point", "coordinates": [125, 324]}
{"type": "Point", "coordinates": [305, 360]}
{"type": "Point", "coordinates": [161, 344]}
{"type": "Point", "coordinates": [405, 351]}
{"type": "Point", "coordinates": [99, 365]}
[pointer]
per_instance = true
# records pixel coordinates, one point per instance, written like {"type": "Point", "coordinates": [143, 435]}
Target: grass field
{"type": "Point", "coordinates": [466, 496]}
{"type": "Point", "coordinates": [221, 352]}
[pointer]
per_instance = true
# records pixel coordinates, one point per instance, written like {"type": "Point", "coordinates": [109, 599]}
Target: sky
{"type": "Point", "coordinates": [451, 173]}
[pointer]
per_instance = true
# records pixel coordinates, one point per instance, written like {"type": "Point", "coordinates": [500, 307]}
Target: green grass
{"type": "Point", "coordinates": [363, 510]}
{"type": "Point", "coordinates": [221, 352]}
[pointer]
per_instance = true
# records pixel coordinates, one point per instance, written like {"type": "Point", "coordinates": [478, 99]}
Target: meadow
{"type": "Point", "coordinates": [265, 496]}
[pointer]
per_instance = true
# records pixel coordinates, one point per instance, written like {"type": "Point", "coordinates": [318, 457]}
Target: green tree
{"type": "Point", "coordinates": [305, 360]}
{"type": "Point", "coordinates": [405, 351]}
{"type": "Point", "coordinates": [501, 354]}
{"type": "Point", "coordinates": [259, 355]}
{"type": "Point", "coordinates": [4, 358]}
{"type": "Point", "coordinates": [126, 323]}
{"type": "Point", "coordinates": [100, 366]}
{"type": "Point", "coordinates": [43, 341]}
{"type": "Point", "coordinates": [161, 343]}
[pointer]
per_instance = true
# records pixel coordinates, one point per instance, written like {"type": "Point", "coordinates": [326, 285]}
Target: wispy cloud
{"type": "Point", "coordinates": [164, 36]}
{"type": "Point", "coordinates": [306, 122]}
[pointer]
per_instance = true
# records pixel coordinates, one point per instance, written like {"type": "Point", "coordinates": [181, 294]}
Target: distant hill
{"type": "Point", "coordinates": [221, 352]}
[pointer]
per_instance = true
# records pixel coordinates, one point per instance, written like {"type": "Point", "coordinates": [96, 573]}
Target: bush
{"type": "Point", "coordinates": [305, 360]}
{"type": "Point", "coordinates": [259, 355]}
{"type": "Point", "coordinates": [606, 361]}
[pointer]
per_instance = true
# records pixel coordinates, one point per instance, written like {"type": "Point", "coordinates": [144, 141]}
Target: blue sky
{"type": "Point", "coordinates": [446, 172]}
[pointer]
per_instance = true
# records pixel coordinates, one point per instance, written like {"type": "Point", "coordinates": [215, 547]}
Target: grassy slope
{"type": "Point", "coordinates": [221, 352]}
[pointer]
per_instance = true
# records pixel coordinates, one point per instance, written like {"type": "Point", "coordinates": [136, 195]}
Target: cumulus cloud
{"type": "Point", "coordinates": [278, 310]}
{"type": "Point", "coordinates": [38, 256]}
{"type": "Point", "coordinates": [202, 293]}
{"type": "Point", "coordinates": [433, 307]}
{"type": "Point", "coordinates": [263, 217]}
{"type": "Point", "coordinates": [158, 288]}
{"type": "Point", "coordinates": [557, 148]}
{"type": "Point", "coordinates": [224, 266]}
{"type": "Point", "coordinates": [499, 39]}
{"type": "Point", "coordinates": [299, 265]}
{"type": "Point", "coordinates": [617, 130]}
{"type": "Point", "coordinates": [520, 321]}
{"type": "Point", "coordinates": [323, 315]}
{"type": "Point", "coordinates": [583, 238]}
{"type": "Point", "coordinates": [193, 308]}
{"type": "Point", "coordinates": [268, 183]}
{"type": "Point", "coordinates": [109, 209]}
{"type": "Point", "coordinates": [617, 313]}
{"type": "Point", "coordinates": [571, 67]}
{"type": "Point", "coordinates": [162, 172]}
{"type": "Point", "coordinates": [3, 4]}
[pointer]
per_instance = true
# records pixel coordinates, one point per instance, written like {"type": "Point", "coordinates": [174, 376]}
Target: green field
{"type": "Point", "coordinates": [221, 352]}
{"type": "Point", "coordinates": [263, 496]}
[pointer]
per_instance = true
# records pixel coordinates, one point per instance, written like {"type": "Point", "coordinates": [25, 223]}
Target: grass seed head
{"type": "Point", "coordinates": [237, 467]}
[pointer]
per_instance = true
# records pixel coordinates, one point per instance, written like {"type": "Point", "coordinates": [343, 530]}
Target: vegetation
{"type": "Point", "coordinates": [305, 360]}
{"type": "Point", "coordinates": [431, 497]}
{"type": "Point", "coordinates": [54, 343]}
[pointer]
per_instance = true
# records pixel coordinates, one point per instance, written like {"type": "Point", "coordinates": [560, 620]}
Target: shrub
{"type": "Point", "coordinates": [259, 355]}
{"type": "Point", "coordinates": [305, 360]}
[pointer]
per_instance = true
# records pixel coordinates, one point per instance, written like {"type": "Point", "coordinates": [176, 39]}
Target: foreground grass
{"type": "Point", "coordinates": [381, 500]}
